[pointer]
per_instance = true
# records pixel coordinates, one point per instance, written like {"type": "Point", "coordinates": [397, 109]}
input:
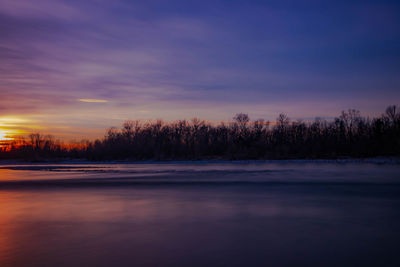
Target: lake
{"type": "Point", "coordinates": [278, 213]}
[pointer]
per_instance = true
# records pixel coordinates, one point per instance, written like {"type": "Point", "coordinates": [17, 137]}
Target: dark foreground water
{"type": "Point", "coordinates": [203, 214]}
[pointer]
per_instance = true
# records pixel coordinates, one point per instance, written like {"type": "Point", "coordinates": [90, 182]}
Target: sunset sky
{"type": "Point", "coordinates": [74, 68]}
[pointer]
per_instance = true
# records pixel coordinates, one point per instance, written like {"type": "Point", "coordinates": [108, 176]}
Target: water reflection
{"type": "Point", "coordinates": [201, 225]}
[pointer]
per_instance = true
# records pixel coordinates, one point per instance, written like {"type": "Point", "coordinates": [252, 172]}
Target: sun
{"type": "Point", "coordinates": [4, 136]}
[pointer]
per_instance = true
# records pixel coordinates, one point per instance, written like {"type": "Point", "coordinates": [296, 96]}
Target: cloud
{"type": "Point", "coordinates": [39, 9]}
{"type": "Point", "coordinates": [90, 100]}
{"type": "Point", "coordinates": [188, 59]}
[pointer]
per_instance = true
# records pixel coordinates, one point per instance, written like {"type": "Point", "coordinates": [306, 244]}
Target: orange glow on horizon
{"type": "Point", "coordinates": [5, 136]}
{"type": "Point", "coordinates": [11, 127]}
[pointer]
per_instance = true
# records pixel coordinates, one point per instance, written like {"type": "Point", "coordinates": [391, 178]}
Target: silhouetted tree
{"type": "Point", "coordinates": [241, 119]}
{"type": "Point", "coordinates": [349, 135]}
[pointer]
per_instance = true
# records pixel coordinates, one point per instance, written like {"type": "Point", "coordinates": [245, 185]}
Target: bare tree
{"type": "Point", "coordinates": [282, 121]}
{"type": "Point", "coordinates": [391, 113]}
{"type": "Point", "coordinates": [242, 119]}
{"type": "Point", "coordinates": [348, 135]}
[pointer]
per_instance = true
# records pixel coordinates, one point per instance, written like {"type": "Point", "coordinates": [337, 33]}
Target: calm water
{"type": "Point", "coordinates": [202, 214]}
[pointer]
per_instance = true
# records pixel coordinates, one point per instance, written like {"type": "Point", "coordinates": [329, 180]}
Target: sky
{"type": "Point", "coordinates": [74, 68]}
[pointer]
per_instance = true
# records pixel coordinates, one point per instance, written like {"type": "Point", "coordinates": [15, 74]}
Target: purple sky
{"type": "Point", "coordinates": [184, 59]}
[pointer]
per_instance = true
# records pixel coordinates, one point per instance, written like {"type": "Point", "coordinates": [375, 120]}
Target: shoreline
{"type": "Point", "coordinates": [375, 160]}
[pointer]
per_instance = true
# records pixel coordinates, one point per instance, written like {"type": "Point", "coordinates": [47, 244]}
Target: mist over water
{"type": "Point", "coordinates": [200, 214]}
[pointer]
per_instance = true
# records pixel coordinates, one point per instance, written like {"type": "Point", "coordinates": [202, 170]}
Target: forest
{"type": "Point", "coordinates": [347, 136]}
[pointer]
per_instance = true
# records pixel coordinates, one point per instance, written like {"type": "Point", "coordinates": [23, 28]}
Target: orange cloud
{"type": "Point", "coordinates": [4, 136]}
{"type": "Point", "coordinates": [12, 126]}
{"type": "Point", "coordinates": [89, 100]}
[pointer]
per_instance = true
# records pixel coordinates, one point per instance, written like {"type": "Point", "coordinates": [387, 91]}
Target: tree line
{"type": "Point", "coordinates": [348, 135]}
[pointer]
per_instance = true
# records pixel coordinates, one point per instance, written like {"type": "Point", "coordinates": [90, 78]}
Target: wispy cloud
{"type": "Point", "coordinates": [90, 100]}
{"type": "Point", "coordinates": [186, 58]}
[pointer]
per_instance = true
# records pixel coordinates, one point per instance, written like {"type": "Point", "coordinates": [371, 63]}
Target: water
{"type": "Point", "coordinates": [200, 214]}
